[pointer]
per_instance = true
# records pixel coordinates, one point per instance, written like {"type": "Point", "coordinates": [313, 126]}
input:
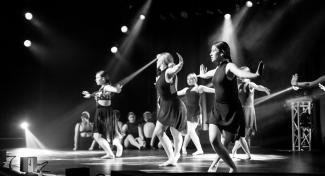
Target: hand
{"type": "Point", "coordinates": [203, 70]}
{"type": "Point", "coordinates": [322, 87]}
{"type": "Point", "coordinates": [267, 91]}
{"type": "Point", "coordinates": [86, 94]}
{"type": "Point", "coordinates": [91, 149]}
{"type": "Point", "coordinates": [119, 88]}
{"type": "Point", "coordinates": [180, 58]}
{"type": "Point", "coordinates": [260, 68]}
{"type": "Point", "coordinates": [294, 80]}
{"type": "Point", "coordinates": [200, 89]}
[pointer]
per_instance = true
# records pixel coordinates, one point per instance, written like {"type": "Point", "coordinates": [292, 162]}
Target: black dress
{"type": "Point", "coordinates": [227, 112]}
{"type": "Point", "coordinates": [105, 121]}
{"type": "Point", "coordinates": [172, 111]}
{"type": "Point", "coordinates": [192, 105]}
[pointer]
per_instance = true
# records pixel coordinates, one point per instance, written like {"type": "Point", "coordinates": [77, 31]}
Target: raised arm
{"type": "Point", "coordinates": [322, 87]}
{"type": "Point", "coordinates": [259, 88]}
{"type": "Point", "coordinates": [240, 73]}
{"type": "Point", "coordinates": [76, 136]}
{"type": "Point", "coordinates": [204, 73]}
{"type": "Point", "coordinates": [172, 71]}
{"type": "Point", "coordinates": [115, 89]}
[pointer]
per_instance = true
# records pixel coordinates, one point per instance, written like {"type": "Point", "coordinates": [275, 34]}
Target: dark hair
{"type": "Point", "coordinates": [131, 113]}
{"type": "Point", "coordinates": [105, 75]}
{"type": "Point", "coordinates": [224, 50]}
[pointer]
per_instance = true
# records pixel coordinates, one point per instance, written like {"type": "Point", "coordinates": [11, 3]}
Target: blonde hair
{"type": "Point", "coordinates": [167, 59]}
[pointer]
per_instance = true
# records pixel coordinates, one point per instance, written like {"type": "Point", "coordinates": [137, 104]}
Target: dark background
{"type": "Point", "coordinates": [72, 40]}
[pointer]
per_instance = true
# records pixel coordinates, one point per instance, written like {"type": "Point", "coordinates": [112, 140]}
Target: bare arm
{"type": "Point", "coordinates": [205, 89]}
{"type": "Point", "coordinates": [140, 132]}
{"type": "Point", "coordinates": [124, 129]}
{"type": "Point", "coordinates": [294, 82]}
{"type": "Point", "coordinates": [171, 72]}
{"type": "Point", "coordinates": [182, 92]}
{"type": "Point", "coordinates": [240, 73]}
{"type": "Point", "coordinates": [116, 89]}
{"type": "Point", "coordinates": [259, 88]}
{"type": "Point", "coordinates": [76, 136]}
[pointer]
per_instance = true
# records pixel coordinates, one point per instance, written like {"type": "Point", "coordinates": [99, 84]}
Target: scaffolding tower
{"type": "Point", "coordinates": [301, 121]}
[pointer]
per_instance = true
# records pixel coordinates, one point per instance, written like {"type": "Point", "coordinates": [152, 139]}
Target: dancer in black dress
{"type": "Point", "coordinates": [246, 92]}
{"type": "Point", "coordinates": [193, 115]}
{"type": "Point", "coordinates": [105, 126]}
{"type": "Point", "coordinates": [227, 114]}
{"type": "Point", "coordinates": [172, 111]}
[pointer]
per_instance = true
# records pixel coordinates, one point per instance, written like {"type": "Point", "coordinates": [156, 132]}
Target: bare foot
{"type": "Point", "coordinates": [108, 157]}
{"type": "Point", "coordinates": [167, 163]}
{"type": "Point", "coordinates": [197, 153]}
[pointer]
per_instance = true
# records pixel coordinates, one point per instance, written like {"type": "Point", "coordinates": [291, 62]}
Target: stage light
{"type": "Point", "coordinates": [24, 125]}
{"type": "Point", "coordinates": [28, 16]}
{"type": "Point", "coordinates": [249, 4]}
{"type": "Point", "coordinates": [227, 16]}
{"type": "Point", "coordinates": [142, 17]}
{"type": "Point", "coordinates": [124, 29]}
{"type": "Point", "coordinates": [27, 43]}
{"type": "Point", "coordinates": [114, 49]}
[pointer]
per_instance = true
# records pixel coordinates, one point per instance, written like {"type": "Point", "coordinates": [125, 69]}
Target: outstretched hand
{"type": "Point", "coordinates": [180, 58]}
{"type": "Point", "coordinates": [322, 87]}
{"type": "Point", "coordinates": [86, 94]}
{"type": "Point", "coordinates": [203, 70]}
{"type": "Point", "coordinates": [260, 68]}
{"type": "Point", "coordinates": [294, 80]}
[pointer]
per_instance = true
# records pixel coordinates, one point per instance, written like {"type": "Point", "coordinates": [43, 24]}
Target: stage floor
{"type": "Point", "coordinates": [263, 161]}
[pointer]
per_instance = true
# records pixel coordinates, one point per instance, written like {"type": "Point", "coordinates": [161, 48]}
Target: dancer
{"type": "Point", "coordinates": [172, 111]}
{"type": "Point", "coordinates": [318, 81]}
{"type": "Point", "coordinates": [193, 113]}
{"type": "Point", "coordinates": [83, 133]}
{"type": "Point", "coordinates": [227, 114]}
{"type": "Point", "coordinates": [246, 90]}
{"type": "Point", "coordinates": [148, 128]}
{"type": "Point", "coordinates": [133, 133]}
{"type": "Point", "coordinates": [105, 122]}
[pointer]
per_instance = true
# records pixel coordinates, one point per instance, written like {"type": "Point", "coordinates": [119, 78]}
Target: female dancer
{"type": "Point", "coordinates": [133, 133]}
{"type": "Point", "coordinates": [246, 89]}
{"type": "Point", "coordinates": [172, 111]}
{"type": "Point", "coordinates": [227, 114]}
{"type": "Point", "coordinates": [105, 122]}
{"type": "Point", "coordinates": [193, 113]}
{"type": "Point", "coordinates": [83, 133]}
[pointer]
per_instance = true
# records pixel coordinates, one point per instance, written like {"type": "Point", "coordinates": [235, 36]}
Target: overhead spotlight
{"type": "Point", "coordinates": [249, 4]}
{"type": "Point", "coordinates": [24, 125]}
{"type": "Point", "coordinates": [142, 17]}
{"type": "Point", "coordinates": [227, 16]}
{"type": "Point", "coordinates": [124, 29]}
{"type": "Point", "coordinates": [27, 43]}
{"type": "Point", "coordinates": [114, 49]}
{"type": "Point", "coordinates": [28, 16]}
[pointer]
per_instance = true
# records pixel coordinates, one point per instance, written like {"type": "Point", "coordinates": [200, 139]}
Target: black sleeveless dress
{"type": "Point", "coordinates": [192, 105]}
{"type": "Point", "coordinates": [105, 121]}
{"type": "Point", "coordinates": [172, 111]}
{"type": "Point", "coordinates": [227, 112]}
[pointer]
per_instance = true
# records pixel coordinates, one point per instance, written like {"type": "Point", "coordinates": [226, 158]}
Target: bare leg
{"type": "Point", "coordinates": [166, 143]}
{"type": "Point", "coordinates": [119, 147]}
{"type": "Point", "coordinates": [235, 148]}
{"type": "Point", "coordinates": [245, 147]}
{"type": "Point", "coordinates": [185, 143]}
{"type": "Point", "coordinates": [177, 136]}
{"type": "Point", "coordinates": [195, 138]}
{"type": "Point", "coordinates": [219, 148]}
{"type": "Point", "coordinates": [104, 144]}
{"type": "Point", "coordinates": [132, 141]}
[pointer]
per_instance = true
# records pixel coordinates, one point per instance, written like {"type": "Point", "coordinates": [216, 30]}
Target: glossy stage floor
{"type": "Point", "coordinates": [264, 161]}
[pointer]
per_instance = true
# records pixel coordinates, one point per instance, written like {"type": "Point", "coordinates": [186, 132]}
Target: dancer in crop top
{"type": "Point", "coordinates": [105, 126]}
{"type": "Point", "coordinates": [83, 135]}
